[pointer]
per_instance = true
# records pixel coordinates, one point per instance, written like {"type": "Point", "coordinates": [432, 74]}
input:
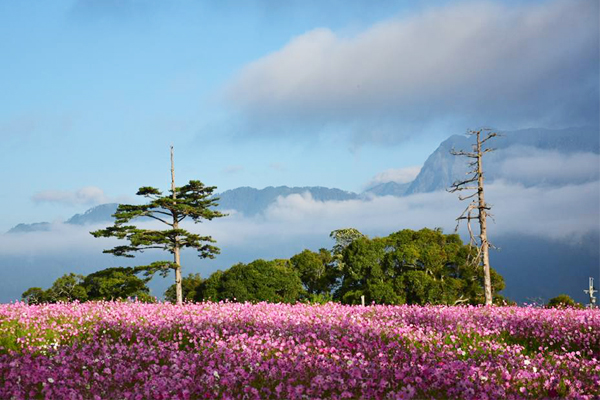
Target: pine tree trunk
{"type": "Point", "coordinates": [176, 257]}
{"type": "Point", "coordinates": [487, 283]}
{"type": "Point", "coordinates": [178, 290]}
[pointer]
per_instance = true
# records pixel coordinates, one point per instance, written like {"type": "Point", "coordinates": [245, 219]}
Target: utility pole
{"type": "Point", "coordinates": [477, 177]}
{"type": "Point", "coordinates": [591, 292]}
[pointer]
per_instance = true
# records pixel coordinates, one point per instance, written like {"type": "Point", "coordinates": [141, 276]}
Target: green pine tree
{"type": "Point", "coordinates": [193, 200]}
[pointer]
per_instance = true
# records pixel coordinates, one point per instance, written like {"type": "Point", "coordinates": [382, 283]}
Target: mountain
{"type": "Point", "coordinates": [96, 214]}
{"type": "Point", "coordinates": [251, 201]}
{"type": "Point", "coordinates": [247, 200]}
{"type": "Point", "coordinates": [35, 227]}
{"type": "Point", "coordinates": [101, 213]}
{"type": "Point", "coordinates": [441, 169]}
{"type": "Point", "coordinates": [389, 189]}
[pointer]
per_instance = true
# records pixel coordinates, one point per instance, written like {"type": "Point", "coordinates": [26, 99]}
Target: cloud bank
{"type": "Point", "coordinates": [398, 175]}
{"type": "Point", "coordinates": [567, 212]}
{"type": "Point", "coordinates": [466, 64]}
{"type": "Point", "coordinates": [537, 211]}
{"type": "Point", "coordinates": [533, 166]}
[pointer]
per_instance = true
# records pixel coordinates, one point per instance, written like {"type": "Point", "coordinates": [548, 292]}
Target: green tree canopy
{"type": "Point", "coordinates": [107, 284]}
{"type": "Point", "coordinates": [116, 283]}
{"type": "Point", "coordinates": [35, 295]}
{"type": "Point", "coordinates": [562, 300]}
{"type": "Point", "coordinates": [68, 287]}
{"type": "Point", "coordinates": [194, 201]}
{"type": "Point", "coordinates": [414, 267]}
{"type": "Point", "coordinates": [272, 281]}
{"type": "Point", "coordinates": [316, 270]}
{"type": "Point", "coordinates": [190, 285]}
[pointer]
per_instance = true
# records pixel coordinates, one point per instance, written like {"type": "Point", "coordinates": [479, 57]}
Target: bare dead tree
{"type": "Point", "coordinates": [477, 205]}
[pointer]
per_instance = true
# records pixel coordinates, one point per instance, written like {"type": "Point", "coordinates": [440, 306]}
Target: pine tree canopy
{"type": "Point", "coordinates": [193, 200]}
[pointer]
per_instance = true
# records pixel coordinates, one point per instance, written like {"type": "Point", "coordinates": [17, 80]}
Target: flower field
{"type": "Point", "coordinates": [110, 350]}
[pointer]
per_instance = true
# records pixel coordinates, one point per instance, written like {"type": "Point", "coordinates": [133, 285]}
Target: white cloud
{"type": "Point", "coordinates": [89, 195]}
{"type": "Point", "coordinates": [534, 166]}
{"type": "Point", "coordinates": [480, 63]}
{"type": "Point", "coordinates": [566, 212]}
{"type": "Point", "coordinates": [60, 239]}
{"type": "Point", "coordinates": [398, 175]}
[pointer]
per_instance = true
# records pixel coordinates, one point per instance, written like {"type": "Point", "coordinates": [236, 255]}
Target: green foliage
{"type": "Point", "coordinates": [319, 298]}
{"type": "Point", "coordinates": [261, 280]}
{"type": "Point", "coordinates": [35, 295]}
{"type": "Point", "coordinates": [413, 267]}
{"type": "Point", "coordinates": [66, 288]}
{"type": "Point", "coordinates": [316, 271]}
{"type": "Point", "coordinates": [107, 284]}
{"type": "Point", "coordinates": [211, 288]}
{"type": "Point", "coordinates": [343, 238]}
{"type": "Point", "coordinates": [194, 201]}
{"type": "Point", "coordinates": [190, 285]}
{"type": "Point", "coordinates": [562, 300]}
{"type": "Point", "coordinates": [116, 283]}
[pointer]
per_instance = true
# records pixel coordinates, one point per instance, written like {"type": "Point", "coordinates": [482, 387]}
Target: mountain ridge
{"type": "Point", "coordinates": [439, 171]}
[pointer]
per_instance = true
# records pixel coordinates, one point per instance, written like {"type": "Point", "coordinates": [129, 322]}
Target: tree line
{"type": "Point", "coordinates": [405, 267]}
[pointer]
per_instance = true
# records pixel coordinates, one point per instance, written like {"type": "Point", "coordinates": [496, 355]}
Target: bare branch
{"type": "Point", "coordinates": [467, 197]}
{"type": "Point", "coordinates": [460, 183]}
{"type": "Point", "coordinates": [491, 135]}
{"type": "Point", "coordinates": [463, 153]}
{"type": "Point", "coordinates": [460, 300]}
{"type": "Point", "coordinates": [158, 219]}
{"type": "Point", "coordinates": [457, 189]}
{"type": "Point", "coordinates": [162, 212]}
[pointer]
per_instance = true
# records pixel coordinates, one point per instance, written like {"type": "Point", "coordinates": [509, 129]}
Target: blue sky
{"type": "Point", "coordinates": [264, 93]}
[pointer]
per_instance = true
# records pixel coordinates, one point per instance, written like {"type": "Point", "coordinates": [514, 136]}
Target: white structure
{"type": "Point", "coordinates": [591, 292]}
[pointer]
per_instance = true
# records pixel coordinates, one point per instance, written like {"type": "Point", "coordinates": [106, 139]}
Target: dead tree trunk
{"type": "Point", "coordinates": [476, 176]}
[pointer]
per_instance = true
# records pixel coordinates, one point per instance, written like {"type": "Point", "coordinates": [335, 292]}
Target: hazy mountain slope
{"type": "Point", "coordinates": [388, 189]}
{"type": "Point", "coordinates": [99, 213]}
{"type": "Point", "coordinates": [247, 200]}
{"type": "Point", "coordinates": [35, 227]}
{"type": "Point", "coordinates": [441, 169]}
{"type": "Point", "coordinates": [250, 201]}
